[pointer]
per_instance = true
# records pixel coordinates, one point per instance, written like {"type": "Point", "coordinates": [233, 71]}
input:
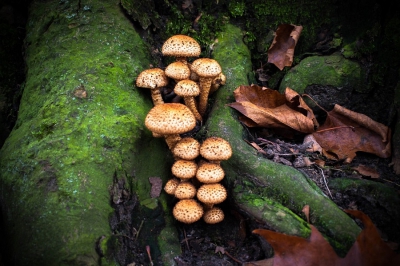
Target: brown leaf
{"type": "Point", "coordinates": [282, 48]}
{"type": "Point", "coordinates": [367, 171]}
{"type": "Point", "coordinates": [156, 186]}
{"type": "Point", "coordinates": [368, 250]}
{"type": "Point", "coordinates": [345, 132]}
{"type": "Point", "coordinates": [264, 107]}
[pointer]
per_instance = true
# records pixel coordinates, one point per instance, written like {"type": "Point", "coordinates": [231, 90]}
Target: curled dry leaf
{"type": "Point", "coordinates": [367, 171]}
{"type": "Point", "coordinates": [282, 48]}
{"type": "Point", "coordinates": [368, 250]}
{"type": "Point", "coordinates": [264, 107]}
{"type": "Point", "coordinates": [345, 132]}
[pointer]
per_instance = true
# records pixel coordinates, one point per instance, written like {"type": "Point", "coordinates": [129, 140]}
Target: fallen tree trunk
{"type": "Point", "coordinates": [267, 191]}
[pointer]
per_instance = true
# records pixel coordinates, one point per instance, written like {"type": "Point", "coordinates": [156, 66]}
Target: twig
{"type": "Point", "coordinates": [149, 255]}
{"type": "Point", "coordinates": [186, 240]}
{"type": "Point", "coordinates": [138, 231]}
{"type": "Point", "coordinates": [322, 172]}
{"type": "Point", "coordinates": [233, 258]}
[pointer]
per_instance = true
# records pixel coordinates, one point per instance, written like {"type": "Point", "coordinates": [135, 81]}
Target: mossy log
{"type": "Point", "coordinates": [267, 191]}
{"type": "Point", "coordinates": [80, 145]}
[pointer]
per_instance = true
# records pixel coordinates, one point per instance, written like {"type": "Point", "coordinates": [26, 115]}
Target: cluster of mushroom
{"type": "Point", "coordinates": [193, 80]}
{"type": "Point", "coordinates": [199, 180]}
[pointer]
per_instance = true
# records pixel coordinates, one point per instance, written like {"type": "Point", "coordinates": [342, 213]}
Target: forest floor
{"type": "Point", "coordinates": [231, 241]}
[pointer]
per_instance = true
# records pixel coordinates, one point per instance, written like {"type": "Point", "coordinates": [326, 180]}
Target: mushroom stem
{"type": "Point", "coordinates": [205, 85]}
{"type": "Point", "coordinates": [156, 96]}
{"type": "Point", "coordinates": [171, 140]}
{"type": "Point", "coordinates": [190, 102]}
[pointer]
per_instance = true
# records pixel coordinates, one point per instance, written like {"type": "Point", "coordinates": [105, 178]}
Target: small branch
{"type": "Point", "coordinates": [323, 175]}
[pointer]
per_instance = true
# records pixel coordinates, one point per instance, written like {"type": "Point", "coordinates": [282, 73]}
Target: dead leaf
{"type": "Point", "coordinates": [282, 48]}
{"type": "Point", "coordinates": [368, 249]}
{"type": "Point", "coordinates": [268, 108]}
{"type": "Point", "coordinates": [366, 171]}
{"type": "Point", "coordinates": [345, 132]}
{"type": "Point", "coordinates": [156, 186]}
{"type": "Point", "coordinates": [306, 211]}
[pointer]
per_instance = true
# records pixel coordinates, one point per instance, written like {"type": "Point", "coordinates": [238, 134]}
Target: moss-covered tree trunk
{"type": "Point", "coordinates": [79, 131]}
{"type": "Point", "coordinates": [80, 147]}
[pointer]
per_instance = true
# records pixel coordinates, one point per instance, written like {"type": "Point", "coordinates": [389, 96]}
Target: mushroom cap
{"type": "Point", "coordinates": [152, 78]}
{"type": "Point", "coordinates": [213, 215]}
{"type": "Point", "coordinates": [187, 149]}
{"type": "Point", "coordinates": [181, 46]}
{"type": "Point", "coordinates": [206, 67]}
{"type": "Point", "coordinates": [188, 211]}
{"type": "Point", "coordinates": [184, 169]}
{"type": "Point", "coordinates": [212, 193]}
{"type": "Point", "coordinates": [210, 173]}
{"type": "Point", "coordinates": [177, 70]}
{"type": "Point", "coordinates": [170, 118]}
{"type": "Point", "coordinates": [185, 190]}
{"type": "Point", "coordinates": [215, 149]}
{"type": "Point", "coordinates": [187, 88]}
{"type": "Point", "coordinates": [171, 186]}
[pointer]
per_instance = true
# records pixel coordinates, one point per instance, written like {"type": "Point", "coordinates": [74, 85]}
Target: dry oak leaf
{"type": "Point", "coordinates": [268, 108]}
{"type": "Point", "coordinates": [281, 51]}
{"type": "Point", "coordinates": [345, 132]}
{"type": "Point", "coordinates": [368, 250]}
{"type": "Point", "coordinates": [366, 171]}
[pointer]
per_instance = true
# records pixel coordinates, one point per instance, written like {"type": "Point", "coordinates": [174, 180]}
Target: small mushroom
{"type": "Point", "coordinates": [185, 190]}
{"type": "Point", "coordinates": [177, 71]}
{"type": "Point", "coordinates": [210, 173]}
{"type": "Point", "coordinates": [171, 186]}
{"type": "Point", "coordinates": [217, 82]}
{"type": "Point", "coordinates": [215, 149]}
{"type": "Point", "coordinates": [187, 149]}
{"type": "Point", "coordinates": [188, 89]}
{"type": "Point", "coordinates": [184, 169]}
{"type": "Point", "coordinates": [207, 69]}
{"type": "Point", "coordinates": [188, 211]}
{"type": "Point", "coordinates": [211, 194]}
{"type": "Point", "coordinates": [170, 120]}
{"type": "Point", "coordinates": [153, 79]}
{"type": "Point", "coordinates": [181, 46]}
{"type": "Point", "coordinates": [213, 215]}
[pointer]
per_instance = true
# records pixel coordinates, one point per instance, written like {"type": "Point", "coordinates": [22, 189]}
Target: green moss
{"type": "Point", "coordinates": [331, 70]}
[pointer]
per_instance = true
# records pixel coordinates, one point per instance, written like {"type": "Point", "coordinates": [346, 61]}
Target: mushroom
{"type": "Point", "coordinates": [188, 211]}
{"type": "Point", "coordinates": [187, 149]}
{"type": "Point", "coordinates": [213, 215]}
{"type": "Point", "coordinates": [188, 89]}
{"type": "Point", "coordinates": [211, 194]}
{"type": "Point", "coordinates": [210, 173]}
{"type": "Point", "coordinates": [177, 71]}
{"type": "Point", "coordinates": [153, 79]}
{"type": "Point", "coordinates": [185, 190]}
{"type": "Point", "coordinates": [215, 149]}
{"type": "Point", "coordinates": [184, 169]}
{"type": "Point", "coordinates": [170, 120]}
{"type": "Point", "coordinates": [207, 69]}
{"type": "Point", "coordinates": [217, 82]}
{"type": "Point", "coordinates": [171, 186]}
{"type": "Point", "coordinates": [181, 46]}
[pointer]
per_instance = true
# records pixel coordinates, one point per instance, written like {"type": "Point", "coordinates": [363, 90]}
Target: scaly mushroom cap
{"type": "Point", "coordinates": [184, 169]}
{"type": "Point", "coordinates": [206, 67]}
{"type": "Point", "coordinates": [170, 118]}
{"type": "Point", "coordinates": [187, 88]}
{"type": "Point", "coordinates": [188, 211]}
{"type": "Point", "coordinates": [152, 78]}
{"type": "Point", "coordinates": [212, 193]}
{"type": "Point", "coordinates": [177, 71]}
{"type": "Point", "coordinates": [213, 215]}
{"type": "Point", "coordinates": [181, 46]}
{"type": "Point", "coordinates": [171, 186]}
{"type": "Point", "coordinates": [210, 173]}
{"type": "Point", "coordinates": [187, 149]}
{"type": "Point", "coordinates": [215, 149]}
{"type": "Point", "coordinates": [185, 190]}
